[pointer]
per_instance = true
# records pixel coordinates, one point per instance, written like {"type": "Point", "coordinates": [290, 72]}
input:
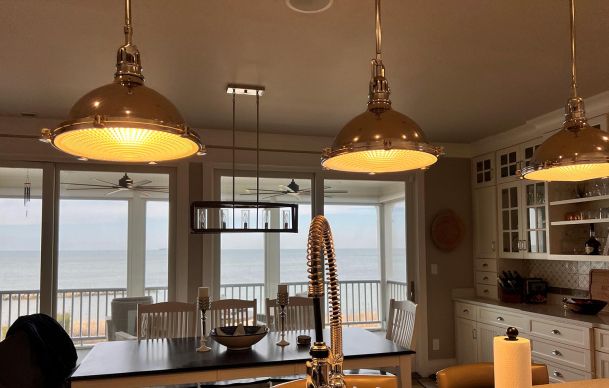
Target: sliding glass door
{"type": "Point", "coordinates": [113, 243]}
{"type": "Point", "coordinates": [20, 243]}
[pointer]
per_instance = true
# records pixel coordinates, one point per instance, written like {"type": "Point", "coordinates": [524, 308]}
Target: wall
{"type": "Point", "coordinates": [447, 186]}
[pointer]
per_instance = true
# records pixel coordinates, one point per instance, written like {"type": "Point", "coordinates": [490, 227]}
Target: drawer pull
{"type": "Point", "coordinates": [485, 278]}
{"type": "Point", "coordinates": [485, 264]}
{"type": "Point", "coordinates": [466, 311]}
{"type": "Point", "coordinates": [500, 319]}
{"type": "Point", "coordinates": [485, 291]}
{"type": "Point", "coordinates": [557, 374]}
{"type": "Point", "coordinates": [556, 352]}
{"type": "Point", "coordinates": [555, 332]}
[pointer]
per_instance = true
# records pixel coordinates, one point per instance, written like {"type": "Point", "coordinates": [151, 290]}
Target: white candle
{"type": "Point", "coordinates": [203, 292]}
{"type": "Point", "coordinates": [282, 288]}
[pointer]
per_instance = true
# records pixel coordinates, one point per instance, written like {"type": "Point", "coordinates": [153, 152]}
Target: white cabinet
{"type": "Point", "coordinates": [602, 365]}
{"type": "Point", "coordinates": [601, 356]}
{"type": "Point", "coordinates": [508, 163]}
{"type": "Point", "coordinates": [486, 335]}
{"type": "Point", "coordinates": [485, 222]}
{"type": "Point", "coordinates": [483, 170]}
{"type": "Point", "coordinates": [522, 218]}
{"type": "Point", "coordinates": [466, 336]}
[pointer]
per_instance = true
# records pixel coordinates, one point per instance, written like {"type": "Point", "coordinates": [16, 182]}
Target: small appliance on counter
{"type": "Point", "coordinates": [535, 290]}
{"type": "Point", "coordinates": [511, 287]}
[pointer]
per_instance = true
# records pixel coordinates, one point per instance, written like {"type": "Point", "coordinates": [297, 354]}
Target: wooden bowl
{"type": "Point", "coordinates": [238, 342]}
{"type": "Point", "coordinates": [585, 306]}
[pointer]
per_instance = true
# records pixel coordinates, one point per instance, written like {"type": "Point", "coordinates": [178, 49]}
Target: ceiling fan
{"type": "Point", "coordinates": [292, 189]}
{"type": "Point", "coordinates": [124, 184]}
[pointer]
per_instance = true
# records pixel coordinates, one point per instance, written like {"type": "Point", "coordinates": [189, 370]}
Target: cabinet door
{"type": "Point", "coordinates": [510, 241]}
{"type": "Point", "coordinates": [535, 220]}
{"type": "Point", "coordinates": [485, 222]}
{"type": "Point", "coordinates": [602, 365]}
{"type": "Point", "coordinates": [465, 334]}
{"type": "Point", "coordinates": [483, 170]}
{"type": "Point", "coordinates": [508, 160]}
{"type": "Point", "coordinates": [486, 335]}
{"type": "Point", "coordinates": [527, 151]}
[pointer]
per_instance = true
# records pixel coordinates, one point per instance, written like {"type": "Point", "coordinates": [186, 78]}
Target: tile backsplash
{"type": "Point", "coordinates": [564, 274]}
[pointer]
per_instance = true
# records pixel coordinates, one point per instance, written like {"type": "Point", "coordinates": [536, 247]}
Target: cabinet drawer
{"type": "Point", "coordinates": [487, 291]}
{"type": "Point", "coordinates": [465, 310]}
{"type": "Point", "coordinates": [489, 278]}
{"type": "Point", "coordinates": [503, 318]}
{"type": "Point", "coordinates": [560, 374]}
{"type": "Point", "coordinates": [567, 355]}
{"type": "Point", "coordinates": [485, 265]}
{"type": "Point", "coordinates": [601, 340]}
{"type": "Point", "coordinates": [562, 333]}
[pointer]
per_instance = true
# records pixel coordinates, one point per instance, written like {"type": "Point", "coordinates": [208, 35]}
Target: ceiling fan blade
{"type": "Point", "coordinates": [143, 194]}
{"type": "Point", "coordinates": [286, 189]}
{"type": "Point", "coordinates": [89, 188]}
{"type": "Point", "coordinates": [103, 181]}
{"type": "Point", "coordinates": [336, 191]}
{"type": "Point", "coordinates": [115, 191]}
{"type": "Point", "coordinates": [268, 190]}
{"type": "Point", "coordinates": [141, 183]}
{"type": "Point", "coordinates": [84, 184]}
{"type": "Point", "coordinates": [273, 196]}
{"type": "Point", "coordinates": [154, 187]}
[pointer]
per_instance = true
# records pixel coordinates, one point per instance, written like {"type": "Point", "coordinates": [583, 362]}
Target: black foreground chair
{"type": "Point", "coordinates": [37, 352]}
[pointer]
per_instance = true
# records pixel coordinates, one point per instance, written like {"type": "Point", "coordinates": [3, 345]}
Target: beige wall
{"type": "Point", "coordinates": [447, 186]}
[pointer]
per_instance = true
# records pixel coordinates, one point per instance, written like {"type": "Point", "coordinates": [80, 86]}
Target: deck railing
{"type": "Point", "coordinates": [82, 312]}
{"type": "Point", "coordinates": [361, 300]}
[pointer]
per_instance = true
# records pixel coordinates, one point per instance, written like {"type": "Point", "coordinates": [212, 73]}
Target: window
{"type": "Point", "coordinates": [20, 237]}
{"type": "Point", "coordinates": [368, 221]}
{"type": "Point", "coordinates": [253, 264]}
{"type": "Point", "coordinates": [113, 239]}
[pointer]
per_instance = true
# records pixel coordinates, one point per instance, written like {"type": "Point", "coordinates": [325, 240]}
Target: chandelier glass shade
{"type": "Point", "coordinates": [578, 151]}
{"type": "Point", "coordinates": [125, 121]}
{"type": "Point", "coordinates": [380, 140]}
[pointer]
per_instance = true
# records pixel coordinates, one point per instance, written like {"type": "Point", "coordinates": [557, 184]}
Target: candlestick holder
{"type": "Point", "coordinates": [282, 300]}
{"type": "Point", "coordinates": [204, 305]}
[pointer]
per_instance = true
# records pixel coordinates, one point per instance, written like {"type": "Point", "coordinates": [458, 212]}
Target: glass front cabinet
{"type": "Point", "coordinates": [522, 220]}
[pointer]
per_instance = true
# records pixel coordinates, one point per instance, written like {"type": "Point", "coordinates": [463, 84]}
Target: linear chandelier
{"type": "Point", "coordinates": [233, 216]}
{"type": "Point", "coordinates": [578, 151]}
{"type": "Point", "coordinates": [125, 121]}
{"type": "Point", "coordinates": [380, 139]}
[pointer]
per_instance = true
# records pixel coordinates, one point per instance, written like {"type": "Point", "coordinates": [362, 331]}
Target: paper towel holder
{"type": "Point", "coordinates": [512, 334]}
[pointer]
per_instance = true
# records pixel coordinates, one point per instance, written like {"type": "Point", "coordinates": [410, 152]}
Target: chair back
{"type": "Point", "coordinates": [124, 312]}
{"type": "Point", "coordinates": [481, 375]}
{"type": "Point", "coordinates": [166, 320]}
{"type": "Point", "coordinates": [401, 323]}
{"type": "Point", "coordinates": [299, 314]}
{"type": "Point", "coordinates": [231, 312]}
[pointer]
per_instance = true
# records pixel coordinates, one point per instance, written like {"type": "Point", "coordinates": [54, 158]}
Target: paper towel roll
{"type": "Point", "coordinates": [512, 363]}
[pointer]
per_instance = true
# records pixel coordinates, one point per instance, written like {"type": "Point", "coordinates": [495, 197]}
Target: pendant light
{"type": "Point", "coordinates": [125, 121]}
{"type": "Point", "coordinates": [380, 139]}
{"type": "Point", "coordinates": [578, 151]}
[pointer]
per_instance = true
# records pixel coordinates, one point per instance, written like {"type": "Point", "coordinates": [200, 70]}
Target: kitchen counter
{"type": "Point", "coordinates": [557, 312]}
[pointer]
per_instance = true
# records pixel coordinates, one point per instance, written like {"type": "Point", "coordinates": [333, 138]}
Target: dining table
{"type": "Point", "coordinates": [142, 363]}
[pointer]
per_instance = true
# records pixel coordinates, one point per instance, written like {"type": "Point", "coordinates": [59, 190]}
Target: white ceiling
{"type": "Point", "coordinates": [462, 69]}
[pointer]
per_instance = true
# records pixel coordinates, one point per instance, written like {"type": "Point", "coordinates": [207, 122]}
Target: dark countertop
{"type": "Point", "coordinates": [600, 320]}
{"type": "Point", "coordinates": [129, 358]}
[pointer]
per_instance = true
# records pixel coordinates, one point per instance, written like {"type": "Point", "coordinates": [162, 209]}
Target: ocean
{"type": "Point", "coordinates": [20, 270]}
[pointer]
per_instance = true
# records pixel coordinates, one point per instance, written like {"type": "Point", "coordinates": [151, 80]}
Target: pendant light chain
{"type": "Point", "coordinates": [378, 30]}
{"type": "Point", "coordinates": [573, 56]}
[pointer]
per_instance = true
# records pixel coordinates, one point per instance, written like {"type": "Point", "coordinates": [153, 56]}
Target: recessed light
{"type": "Point", "coordinates": [309, 6]}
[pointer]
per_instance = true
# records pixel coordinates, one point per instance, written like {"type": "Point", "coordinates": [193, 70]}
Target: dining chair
{"type": "Point", "coordinates": [401, 323]}
{"type": "Point", "coordinates": [299, 314]}
{"type": "Point", "coordinates": [481, 375]}
{"type": "Point", "coordinates": [231, 312]}
{"type": "Point", "coordinates": [166, 320]}
{"type": "Point", "coordinates": [122, 324]}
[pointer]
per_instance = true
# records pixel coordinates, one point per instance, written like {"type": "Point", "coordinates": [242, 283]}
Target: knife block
{"type": "Point", "coordinates": [510, 296]}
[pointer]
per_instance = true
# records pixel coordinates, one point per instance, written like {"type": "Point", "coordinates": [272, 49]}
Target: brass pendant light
{"type": "Point", "coordinates": [380, 139]}
{"type": "Point", "coordinates": [578, 151]}
{"type": "Point", "coordinates": [125, 121]}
